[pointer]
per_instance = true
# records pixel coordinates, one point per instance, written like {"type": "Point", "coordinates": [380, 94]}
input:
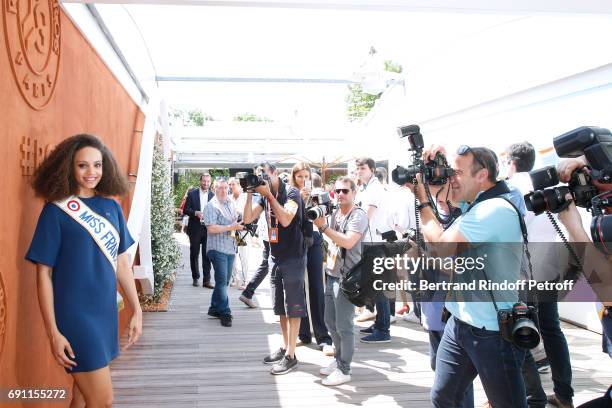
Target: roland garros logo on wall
{"type": "Point", "coordinates": [32, 34]}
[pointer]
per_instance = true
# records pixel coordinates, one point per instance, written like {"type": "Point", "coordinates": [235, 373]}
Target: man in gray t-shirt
{"type": "Point", "coordinates": [346, 231]}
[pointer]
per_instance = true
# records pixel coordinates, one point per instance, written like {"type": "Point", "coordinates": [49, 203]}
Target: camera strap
{"type": "Point", "coordinates": [497, 191]}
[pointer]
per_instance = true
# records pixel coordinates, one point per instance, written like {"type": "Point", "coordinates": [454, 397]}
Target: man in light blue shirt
{"type": "Point", "coordinates": [471, 344]}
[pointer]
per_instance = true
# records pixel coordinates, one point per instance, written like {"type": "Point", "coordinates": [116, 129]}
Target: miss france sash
{"type": "Point", "coordinates": [101, 230]}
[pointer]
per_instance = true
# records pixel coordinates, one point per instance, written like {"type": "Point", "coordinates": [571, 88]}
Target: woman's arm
{"type": "Point", "coordinates": [59, 344]}
{"type": "Point", "coordinates": [126, 280]}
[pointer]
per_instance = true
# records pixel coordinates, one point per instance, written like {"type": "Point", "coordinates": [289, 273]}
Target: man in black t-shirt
{"type": "Point", "coordinates": [283, 207]}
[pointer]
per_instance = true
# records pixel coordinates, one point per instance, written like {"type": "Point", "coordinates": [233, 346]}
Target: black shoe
{"type": "Point", "coordinates": [367, 330]}
{"type": "Point", "coordinates": [214, 315]}
{"type": "Point", "coordinates": [284, 366]}
{"type": "Point", "coordinates": [275, 356]}
{"type": "Point", "coordinates": [226, 320]}
{"type": "Point", "coordinates": [208, 285]}
{"type": "Point", "coordinates": [195, 282]}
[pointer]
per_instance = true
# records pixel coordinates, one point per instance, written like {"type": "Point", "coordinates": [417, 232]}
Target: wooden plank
{"type": "Point", "coordinates": [185, 359]}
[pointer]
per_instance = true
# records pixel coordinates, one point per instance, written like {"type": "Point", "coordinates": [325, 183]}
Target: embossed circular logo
{"type": "Point", "coordinates": [32, 34]}
{"type": "Point", "coordinates": [2, 315]}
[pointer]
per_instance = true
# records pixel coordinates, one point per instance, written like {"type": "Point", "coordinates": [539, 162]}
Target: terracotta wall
{"type": "Point", "coordinates": [87, 98]}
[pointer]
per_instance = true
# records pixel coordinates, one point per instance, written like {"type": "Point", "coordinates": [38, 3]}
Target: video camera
{"type": "Point", "coordinates": [434, 172]}
{"type": "Point", "coordinates": [249, 181]}
{"type": "Point", "coordinates": [322, 205]}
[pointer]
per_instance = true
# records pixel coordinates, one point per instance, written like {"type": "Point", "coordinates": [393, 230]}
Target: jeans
{"type": "Point", "coordinates": [339, 313]}
{"type": "Point", "coordinates": [222, 263]}
{"type": "Point", "coordinates": [382, 324]}
{"type": "Point", "coordinates": [606, 339]}
{"type": "Point", "coordinates": [260, 273]}
{"type": "Point", "coordinates": [536, 397]}
{"type": "Point", "coordinates": [316, 295]}
{"type": "Point", "coordinates": [434, 343]}
{"type": "Point", "coordinates": [557, 351]}
{"type": "Point", "coordinates": [466, 351]}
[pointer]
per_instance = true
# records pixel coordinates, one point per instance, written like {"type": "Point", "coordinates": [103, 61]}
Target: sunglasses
{"type": "Point", "coordinates": [465, 149]}
{"type": "Point", "coordinates": [342, 190]}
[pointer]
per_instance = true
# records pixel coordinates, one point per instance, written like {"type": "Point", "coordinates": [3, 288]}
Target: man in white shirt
{"type": "Point", "coordinates": [239, 198]}
{"type": "Point", "coordinates": [372, 198]}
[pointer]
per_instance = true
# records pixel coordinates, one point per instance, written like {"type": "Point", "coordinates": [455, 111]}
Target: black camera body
{"type": "Point", "coordinates": [519, 325]}
{"type": "Point", "coordinates": [595, 144]}
{"type": "Point", "coordinates": [322, 205]}
{"type": "Point", "coordinates": [249, 181]}
{"type": "Point", "coordinates": [434, 172]}
{"type": "Point", "coordinates": [553, 199]}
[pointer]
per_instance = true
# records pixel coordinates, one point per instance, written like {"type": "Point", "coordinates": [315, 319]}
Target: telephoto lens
{"type": "Point", "coordinates": [315, 212]}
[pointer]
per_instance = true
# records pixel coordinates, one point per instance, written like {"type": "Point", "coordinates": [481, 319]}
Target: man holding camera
{"type": "Point", "coordinates": [472, 344]}
{"type": "Point", "coordinates": [283, 207]}
{"type": "Point", "coordinates": [346, 230]}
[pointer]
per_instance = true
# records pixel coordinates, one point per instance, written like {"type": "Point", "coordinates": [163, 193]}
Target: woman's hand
{"type": "Point", "coordinates": [135, 329]}
{"type": "Point", "coordinates": [305, 193]}
{"type": "Point", "coordinates": [61, 350]}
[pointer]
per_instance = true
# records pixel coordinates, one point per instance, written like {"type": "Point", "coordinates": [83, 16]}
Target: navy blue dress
{"type": "Point", "coordinates": [84, 282]}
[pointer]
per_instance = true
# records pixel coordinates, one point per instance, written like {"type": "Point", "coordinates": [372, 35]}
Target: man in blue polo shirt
{"type": "Point", "coordinates": [471, 344]}
{"type": "Point", "coordinates": [284, 209]}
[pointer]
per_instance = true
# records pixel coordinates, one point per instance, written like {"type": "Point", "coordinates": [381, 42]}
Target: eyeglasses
{"type": "Point", "coordinates": [342, 190]}
{"type": "Point", "coordinates": [464, 149]}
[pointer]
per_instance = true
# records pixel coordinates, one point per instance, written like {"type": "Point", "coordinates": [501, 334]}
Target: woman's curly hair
{"type": "Point", "coordinates": [54, 179]}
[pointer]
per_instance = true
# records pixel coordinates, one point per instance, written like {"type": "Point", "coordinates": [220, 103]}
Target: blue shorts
{"type": "Point", "coordinates": [287, 286]}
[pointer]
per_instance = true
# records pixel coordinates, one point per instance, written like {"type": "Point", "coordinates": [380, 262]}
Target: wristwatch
{"type": "Point", "coordinates": [323, 228]}
{"type": "Point", "coordinates": [423, 205]}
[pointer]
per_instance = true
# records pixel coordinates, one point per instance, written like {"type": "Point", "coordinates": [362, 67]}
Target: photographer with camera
{"type": "Point", "coordinates": [346, 230]}
{"type": "Point", "coordinates": [301, 179]}
{"type": "Point", "coordinates": [283, 207]}
{"type": "Point", "coordinates": [260, 274]}
{"type": "Point", "coordinates": [472, 343]}
{"type": "Point", "coordinates": [520, 158]}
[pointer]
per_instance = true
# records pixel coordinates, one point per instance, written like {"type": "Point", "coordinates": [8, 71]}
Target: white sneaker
{"type": "Point", "coordinates": [329, 369]}
{"type": "Point", "coordinates": [336, 378]}
{"type": "Point", "coordinates": [328, 350]}
{"type": "Point", "coordinates": [410, 317]}
{"type": "Point", "coordinates": [392, 320]}
{"type": "Point", "coordinates": [365, 316]}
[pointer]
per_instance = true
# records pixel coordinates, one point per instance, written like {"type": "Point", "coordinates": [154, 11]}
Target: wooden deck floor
{"type": "Point", "coordinates": [185, 359]}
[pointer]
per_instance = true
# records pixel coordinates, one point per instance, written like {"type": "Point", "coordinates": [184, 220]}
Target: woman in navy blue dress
{"type": "Point", "coordinates": [79, 258]}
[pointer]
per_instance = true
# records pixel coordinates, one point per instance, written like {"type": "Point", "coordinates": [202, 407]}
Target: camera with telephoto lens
{"type": "Point", "coordinates": [434, 172]}
{"type": "Point", "coordinates": [595, 144]}
{"type": "Point", "coordinates": [322, 205]}
{"type": "Point", "coordinates": [546, 199]}
{"type": "Point", "coordinates": [519, 325]}
{"type": "Point", "coordinates": [249, 181]}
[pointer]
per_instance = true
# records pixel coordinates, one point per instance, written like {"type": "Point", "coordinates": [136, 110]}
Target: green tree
{"type": "Point", "coordinates": [193, 117]}
{"type": "Point", "coordinates": [185, 182]}
{"type": "Point", "coordinates": [359, 103]}
{"type": "Point", "coordinates": [250, 117]}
